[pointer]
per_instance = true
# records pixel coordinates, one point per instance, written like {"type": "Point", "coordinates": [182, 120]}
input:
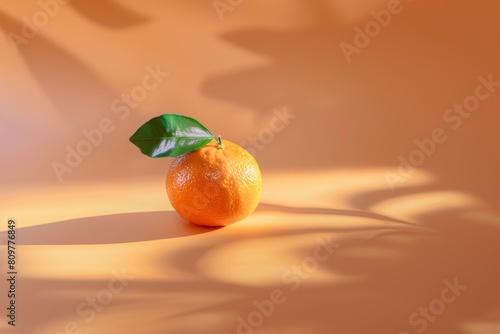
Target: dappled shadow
{"type": "Point", "coordinates": [379, 276]}
{"type": "Point", "coordinates": [81, 98]}
{"type": "Point", "coordinates": [386, 279]}
{"type": "Point", "coordinates": [365, 113]}
{"type": "Point", "coordinates": [370, 111]}
{"type": "Point", "coordinates": [382, 270]}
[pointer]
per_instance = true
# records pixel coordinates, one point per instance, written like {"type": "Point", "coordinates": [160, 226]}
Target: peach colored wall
{"type": "Point", "coordinates": [231, 74]}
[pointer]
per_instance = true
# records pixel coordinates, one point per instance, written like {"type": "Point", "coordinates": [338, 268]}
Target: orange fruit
{"type": "Point", "coordinates": [216, 185]}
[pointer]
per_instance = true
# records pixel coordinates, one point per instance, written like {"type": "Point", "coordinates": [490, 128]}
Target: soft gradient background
{"type": "Point", "coordinates": [324, 173]}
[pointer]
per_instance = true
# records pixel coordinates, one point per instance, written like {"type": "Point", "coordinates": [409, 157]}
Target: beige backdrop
{"type": "Point", "coordinates": [331, 96]}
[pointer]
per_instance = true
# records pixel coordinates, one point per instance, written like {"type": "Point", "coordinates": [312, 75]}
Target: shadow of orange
{"type": "Point", "coordinates": [110, 229]}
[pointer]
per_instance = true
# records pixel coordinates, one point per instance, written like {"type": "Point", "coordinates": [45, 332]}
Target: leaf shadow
{"type": "Point", "coordinates": [330, 211]}
{"type": "Point", "coordinates": [77, 92]}
{"type": "Point", "coordinates": [108, 13]}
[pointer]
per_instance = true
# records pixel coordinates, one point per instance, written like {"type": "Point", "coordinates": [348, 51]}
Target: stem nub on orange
{"type": "Point", "coordinates": [216, 185]}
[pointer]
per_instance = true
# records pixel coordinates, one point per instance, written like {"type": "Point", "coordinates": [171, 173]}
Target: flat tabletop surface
{"type": "Point", "coordinates": [330, 251]}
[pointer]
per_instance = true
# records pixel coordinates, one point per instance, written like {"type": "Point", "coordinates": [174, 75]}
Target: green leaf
{"type": "Point", "coordinates": [171, 135]}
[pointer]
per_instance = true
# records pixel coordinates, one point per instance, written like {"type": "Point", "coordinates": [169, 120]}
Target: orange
{"type": "Point", "coordinates": [216, 185]}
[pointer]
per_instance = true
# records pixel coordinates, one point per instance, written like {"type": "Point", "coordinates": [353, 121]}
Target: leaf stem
{"type": "Point", "coordinates": [219, 142]}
